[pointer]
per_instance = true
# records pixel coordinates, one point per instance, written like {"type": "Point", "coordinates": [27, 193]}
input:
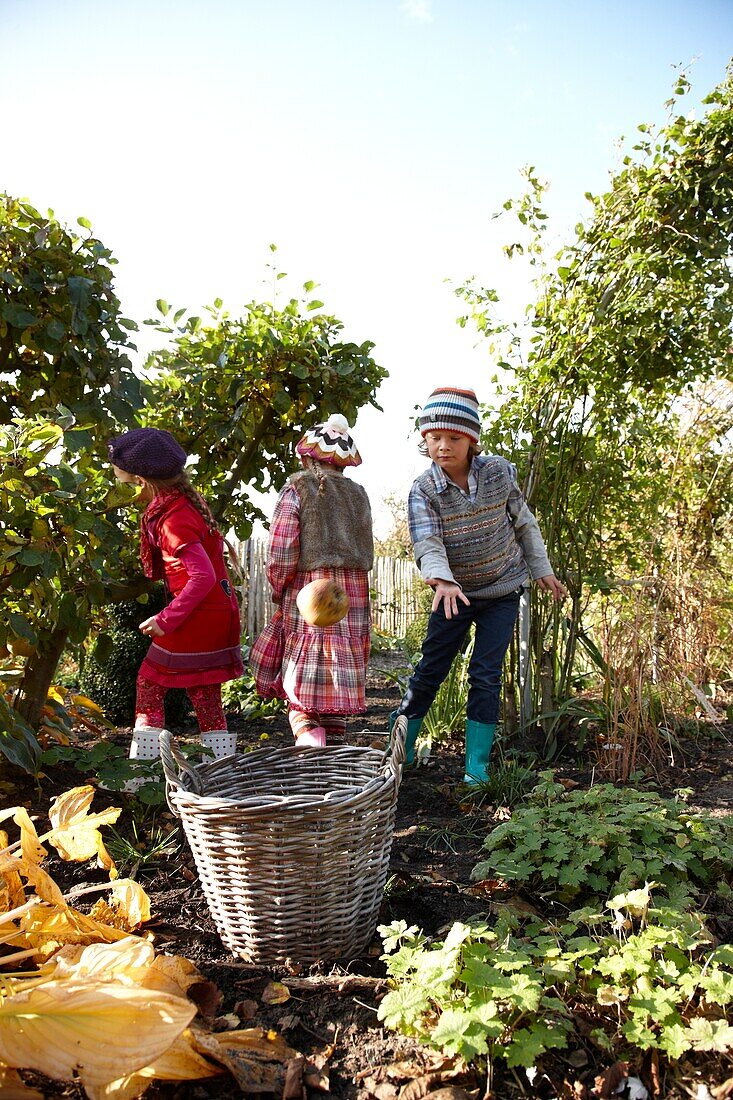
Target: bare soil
{"type": "Point", "coordinates": [332, 1011]}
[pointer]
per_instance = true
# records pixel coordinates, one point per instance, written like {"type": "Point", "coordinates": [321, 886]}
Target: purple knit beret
{"type": "Point", "coordinates": [148, 452]}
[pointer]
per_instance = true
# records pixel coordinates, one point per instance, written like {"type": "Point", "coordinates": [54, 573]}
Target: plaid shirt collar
{"type": "Point", "coordinates": [442, 482]}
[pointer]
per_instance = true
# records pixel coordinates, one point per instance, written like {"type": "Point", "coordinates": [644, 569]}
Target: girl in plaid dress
{"type": "Point", "coordinates": [321, 528]}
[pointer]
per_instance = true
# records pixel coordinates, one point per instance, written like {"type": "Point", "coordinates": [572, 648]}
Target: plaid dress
{"type": "Point", "coordinates": [317, 669]}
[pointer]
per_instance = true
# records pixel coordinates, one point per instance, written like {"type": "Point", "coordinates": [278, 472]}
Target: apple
{"type": "Point", "coordinates": [322, 602]}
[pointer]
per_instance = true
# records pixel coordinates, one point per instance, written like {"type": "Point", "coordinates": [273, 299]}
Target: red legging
{"type": "Point", "coordinates": [206, 699]}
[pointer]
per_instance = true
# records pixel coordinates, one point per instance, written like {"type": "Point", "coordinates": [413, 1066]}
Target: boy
{"type": "Point", "coordinates": [476, 544]}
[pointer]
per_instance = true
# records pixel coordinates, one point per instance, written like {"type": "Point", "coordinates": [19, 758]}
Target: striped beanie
{"type": "Point", "coordinates": [451, 410]}
{"type": "Point", "coordinates": [330, 443]}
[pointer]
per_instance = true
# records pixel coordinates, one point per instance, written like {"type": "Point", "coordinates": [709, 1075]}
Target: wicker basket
{"type": "Point", "coordinates": [291, 845]}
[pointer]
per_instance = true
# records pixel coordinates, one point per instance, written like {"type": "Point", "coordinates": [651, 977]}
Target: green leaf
{"type": "Point", "coordinates": [18, 316]}
{"type": "Point", "coordinates": [707, 1034]}
{"type": "Point", "coordinates": [459, 1032]}
{"type": "Point", "coordinates": [22, 628]}
{"type": "Point", "coordinates": [162, 306]}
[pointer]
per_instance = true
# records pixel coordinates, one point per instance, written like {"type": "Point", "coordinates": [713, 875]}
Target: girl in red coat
{"type": "Point", "coordinates": [196, 638]}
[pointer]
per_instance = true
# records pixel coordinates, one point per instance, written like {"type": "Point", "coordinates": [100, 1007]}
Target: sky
{"type": "Point", "coordinates": [370, 140]}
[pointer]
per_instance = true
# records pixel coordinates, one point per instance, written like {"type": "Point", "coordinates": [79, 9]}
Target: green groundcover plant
{"type": "Point", "coordinates": [577, 846]}
{"type": "Point", "coordinates": [639, 978]}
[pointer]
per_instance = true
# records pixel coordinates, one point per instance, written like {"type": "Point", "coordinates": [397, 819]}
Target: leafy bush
{"type": "Point", "coordinates": [578, 845]}
{"type": "Point", "coordinates": [241, 696]}
{"type": "Point", "coordinates": [414, 636]}
{"type": "Point", "coordinates": [109, 673]}
{"type": "Point", "coordinates": [646, 977]}
{"type": "Point", "coordinates": [468, 995]}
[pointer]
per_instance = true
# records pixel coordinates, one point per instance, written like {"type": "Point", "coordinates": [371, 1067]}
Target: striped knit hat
{"type": "Point", "coordinates": [451, 410]}
{"type": "Point", "coordinates": [330, 443]}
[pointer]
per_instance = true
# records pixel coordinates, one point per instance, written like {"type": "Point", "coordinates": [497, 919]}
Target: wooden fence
{"type": "Point", "coordinates": [395, 584]}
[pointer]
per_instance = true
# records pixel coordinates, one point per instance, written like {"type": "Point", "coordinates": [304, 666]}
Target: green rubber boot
{"type": "Point", "coordinates": [413, 728]}
{"type": "Point", "coordinates": [479, 739]}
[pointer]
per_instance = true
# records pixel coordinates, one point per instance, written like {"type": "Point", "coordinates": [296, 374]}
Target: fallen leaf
{"type": "Point", "coordinates": [315, 1075]}
{"type": "Point", "coordinates": [607, 1082]}
{"type": "Point", "coordinates": [487, 887]}
{"type": "Point", "coordinates": [179, 975]}
{"type": "Point", "coordinates": [293, 1085]}
{"type": "Point", "coordinates": [228, 1022]}
{"type": "Point", "coordinates": [724, 1090]}
{"type": "Point", "coordinates": [99, 1030]}
{"type": "Point", "coordinates": [247, 1010]}
{"type": "Point", "coordinates": [257, 1058]}
{"type": "Point", "coordinates": [275, 993]}
{"type": "Point", "coordinates": [75, 832]}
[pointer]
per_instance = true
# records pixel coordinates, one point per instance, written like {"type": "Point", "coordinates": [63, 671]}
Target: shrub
{"type": "Point", "coordinates": [648, 978]}
{"type": "Point", "coordinates": [109, 672]}
{"type": "Point", "coordinates": [581, 845]}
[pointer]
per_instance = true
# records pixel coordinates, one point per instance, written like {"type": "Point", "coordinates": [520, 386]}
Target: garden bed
{"type": "Point", "coordinates": [331, 1013]}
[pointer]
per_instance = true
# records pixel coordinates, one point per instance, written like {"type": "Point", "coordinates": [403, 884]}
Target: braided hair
{"type": "Point", "coordinates": [182, 484]}
{"type": "Point", "coordinates": [322, 470]}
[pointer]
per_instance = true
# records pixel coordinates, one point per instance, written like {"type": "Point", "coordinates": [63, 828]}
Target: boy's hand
{"type": "Point", "coordinates": [448, 595]}
{"type": "Point", "coordinates": [550, 583]}
{"type": "Point", "coordinates": [151, 628]}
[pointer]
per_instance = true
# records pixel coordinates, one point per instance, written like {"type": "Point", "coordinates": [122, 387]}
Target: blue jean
{"type": "Point", "coordinates": [494, 621]}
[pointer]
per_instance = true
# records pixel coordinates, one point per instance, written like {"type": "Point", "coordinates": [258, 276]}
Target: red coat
{"type": "Point", "coordinates": [205, 647]}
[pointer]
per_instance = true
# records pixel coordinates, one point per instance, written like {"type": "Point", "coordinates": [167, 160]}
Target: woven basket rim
{"type": "Point", "coordinates": [284, 804]}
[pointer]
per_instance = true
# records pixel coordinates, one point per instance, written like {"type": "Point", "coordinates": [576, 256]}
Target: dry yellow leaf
{"type": "Point", "coordinates": [127, 908]}
{"type": "Point", "coordinates": [48, 927]}
{"type": "Point", "coordinates": [12, 893]}
{"type": "Point", "coordinates": [125, 961]}
{"type": "Point", "coordinates": [100, 1030]}
{"type": "Point", "coordinates": [181, 1062]}
{"type": "Point", "coordinates": [87, 703]}
{"type": "Point", "coordinates": [31, 848]}
{"type": "Point", "coordinates": [41, 881]}
{"type": "Point", "coordinates": [75, 832]}
{"type": "Point", "coordinates": [132, 900]}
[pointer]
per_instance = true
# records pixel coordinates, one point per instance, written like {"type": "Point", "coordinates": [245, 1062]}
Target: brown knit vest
{"type": "Point", "coordinates": [335, 523]}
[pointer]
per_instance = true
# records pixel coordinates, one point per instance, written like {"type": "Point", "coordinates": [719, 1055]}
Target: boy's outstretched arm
{"type": "Point", "coordinates": [448, 593]}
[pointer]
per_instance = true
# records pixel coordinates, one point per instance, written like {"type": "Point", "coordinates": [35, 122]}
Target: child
{"type": "Point", "coordinates": [321, 528]}
{"type": "Point", "coordinates": [195, 639]}
{"type": "Point", "coordinates": [476, 544]}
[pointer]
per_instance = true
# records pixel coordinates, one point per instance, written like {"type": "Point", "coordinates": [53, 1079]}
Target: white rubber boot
{"type": "Point", "coordinates": [144, 746]}
{"type": "Point", "coordinates": [221, 742]}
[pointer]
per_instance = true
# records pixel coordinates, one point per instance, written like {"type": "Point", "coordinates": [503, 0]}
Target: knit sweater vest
{"type": "Point", "coordinates": [483, 552]}
{"type": "Point", "coordinates": [335, 523]}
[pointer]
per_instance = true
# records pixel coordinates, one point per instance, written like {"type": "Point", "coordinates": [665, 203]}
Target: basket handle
{"type": "Point", "coordinates": [395, 755]}
{"type": "Point", "coordinates": [179, 774]}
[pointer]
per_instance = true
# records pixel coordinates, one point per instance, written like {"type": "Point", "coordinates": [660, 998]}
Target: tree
{"type": "Point", "coordinates": [68, 385]}
{"type": "Point", "coordinates": [238, 391]}
{"type": "Point", "coordinates": [631, 319]}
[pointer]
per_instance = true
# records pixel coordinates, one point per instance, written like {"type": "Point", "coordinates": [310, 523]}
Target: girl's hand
{"type": "Point", "coordinates": [448, 595]}
{"type": "Point", "coordinates": [151, 628]}
{"type": "Point", "coordinates": [551, 584]}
